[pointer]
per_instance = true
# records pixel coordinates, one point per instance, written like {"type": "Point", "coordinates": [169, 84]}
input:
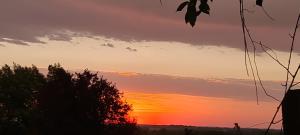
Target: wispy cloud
{"type": "Point", "coordinates": [14, 41]}
{"type": "Point", "coordinates": [131, 49]}
{"type": "Point", "coordinates": [237, 89]}
{"type": "Point", "coordinates": [108, 45]}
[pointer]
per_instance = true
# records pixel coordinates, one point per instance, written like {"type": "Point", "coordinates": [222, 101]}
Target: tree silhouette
{"type": "Point", "coordinates": [57, 103]}
{"type": "Point", "coordinates": [60, 103]}
{"type": "Point", "coordinates": [19, 88]}
{"type": "Point", "coordinates": [81, 104]}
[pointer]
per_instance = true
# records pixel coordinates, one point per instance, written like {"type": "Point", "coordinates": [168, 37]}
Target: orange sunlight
{"type": "Point", "coordinates": [176, 109]}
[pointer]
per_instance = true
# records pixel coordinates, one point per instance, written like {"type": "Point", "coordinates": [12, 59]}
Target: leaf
{"type": "Point", "coordinates": [259, 2]}
{"type": "Point", "coordinates": [186, 18]}
{"type": "Point", "coordinates": [204, 7]}
{"type": "Point", "coordinates": [193, 2]}
{"type": "Point", "coordinates": [182, 5]}
{"type": "Point", "coordinates": [191, 14]}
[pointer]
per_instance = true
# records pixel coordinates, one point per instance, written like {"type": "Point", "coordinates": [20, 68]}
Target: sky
{"type": "Point", "coordinates": [170, 72]}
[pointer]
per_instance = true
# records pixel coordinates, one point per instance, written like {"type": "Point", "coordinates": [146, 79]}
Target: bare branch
{"type": "Point", "coordinates": [295, 84]}
{"type": "Point", "coordinates": [246, 33]}
{"type": "Point", "coordinates": [247, 55]}
{"type": "Point", "coordinates": [291, 51]}
{"type": "Point", "coordinates": [257, 74]}
{"type": "Point", "coordinates": [279, 106]}
{"type": "Point", "coordinates": [263, 123]}
{"type": "Point", "coordinates": [265, 49]}
{"type": "Point", "coordinates": [294, 77]}
{"type": "Point", "coordinates": [273, 119]}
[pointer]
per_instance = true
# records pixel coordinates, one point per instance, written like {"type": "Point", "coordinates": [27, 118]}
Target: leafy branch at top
{"type": "Point", "coordinates": [193, 11]}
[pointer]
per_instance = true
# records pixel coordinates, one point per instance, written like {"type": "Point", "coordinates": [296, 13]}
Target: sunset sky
{"type": "Point", "coordinates": [170, 72]}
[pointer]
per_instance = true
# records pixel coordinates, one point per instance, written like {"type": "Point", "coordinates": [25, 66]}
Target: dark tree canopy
{"type": "Point", "coordinates": [19, 89]}
{"type": "Point", "coordinates": [60, 103]}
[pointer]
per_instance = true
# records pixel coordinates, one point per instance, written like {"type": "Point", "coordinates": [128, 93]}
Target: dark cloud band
{"type": "Point", "coordinates": [142, 20]}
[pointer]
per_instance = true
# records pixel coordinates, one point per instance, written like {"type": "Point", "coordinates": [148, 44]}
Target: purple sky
{"type": "Point", "coordinates": [23, 22]}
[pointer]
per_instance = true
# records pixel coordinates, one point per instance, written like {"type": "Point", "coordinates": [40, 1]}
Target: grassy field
{"type": "Point", "coordinates": [190, 130]}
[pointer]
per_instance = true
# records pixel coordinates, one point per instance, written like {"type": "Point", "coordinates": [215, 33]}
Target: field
{"type": "Point", "coordinates": [190, 130]}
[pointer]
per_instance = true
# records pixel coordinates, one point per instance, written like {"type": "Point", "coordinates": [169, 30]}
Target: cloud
{"type": "Point", "coordinates": [108, 45]}
{"type": "Point", "coordinates": [131, 49]}
{"type": "Point", "coordinates": [13, 41]}
{"type": "Point", "coordinates": [60, 36]}
{"type": "Point", "coordinates": [144, 20]}
{"type": "Point", "coordinates": [236, 89]}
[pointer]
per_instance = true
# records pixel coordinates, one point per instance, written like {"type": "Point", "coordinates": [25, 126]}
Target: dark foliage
{"type": "Point", "coordinates": [61, 103]}
{"type": "Point", "coordinates": [259, 2]}
{"type": "Point", "coordinates": [193, 12]}
{"type": "Point", "coordinates": [19, 89]}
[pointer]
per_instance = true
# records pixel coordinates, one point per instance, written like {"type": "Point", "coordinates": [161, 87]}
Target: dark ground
{"type": "Point", "coordinates": [190, 130]}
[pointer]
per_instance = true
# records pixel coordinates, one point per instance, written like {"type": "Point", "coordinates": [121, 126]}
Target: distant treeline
{"type": "Point", "coordinates": [60, 103]}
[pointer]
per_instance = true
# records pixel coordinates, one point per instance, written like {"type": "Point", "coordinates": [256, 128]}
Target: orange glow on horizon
{"type": "Point", "coordinates": [127, 74]}
{"type": "Point", "coordinates": [176, 109]}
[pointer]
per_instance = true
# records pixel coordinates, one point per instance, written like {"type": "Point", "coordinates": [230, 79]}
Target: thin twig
{"type": "Point", "coordinates": [247, 32]}
{"type": "Point", "coordinates": [296, 84]}
{"type": "Point", "coordinates": [294, 77]}
{"type": "Point", "coordinates": [267, 14]}
{"type": "Point", "coordinates": [276, 122]}
{"type": "Point", "coordinates": [291, 51]}
{"type": "Point", "coordinates": [253, 75]}
{"type": "Point", "coordinates": [271, 56]}
{"type": "Point", "coordinates": [263, 123]}
{"type": "Point", "coordinates": [245, 39]}
{"type": "Point", "coordinates": [257, 74]}
{"type": "Point", "coordinates": [274, 116]}
{"type": "Point", "coordinates": [247, 55]}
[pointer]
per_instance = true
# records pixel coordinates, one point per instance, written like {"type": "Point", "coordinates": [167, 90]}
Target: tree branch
{"type": "Point", "coordinates": [291, 51]}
